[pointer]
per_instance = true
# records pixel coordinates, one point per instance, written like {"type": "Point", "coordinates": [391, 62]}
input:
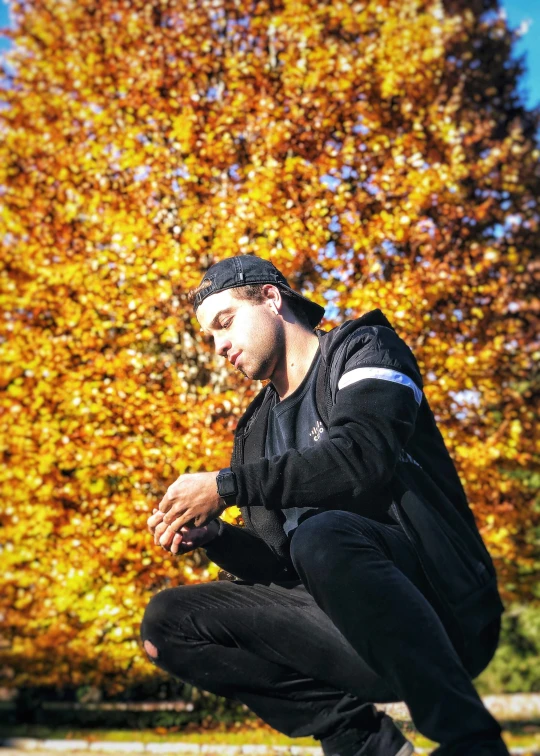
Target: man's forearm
{"type": "Point", "coordinates": [354, 462]}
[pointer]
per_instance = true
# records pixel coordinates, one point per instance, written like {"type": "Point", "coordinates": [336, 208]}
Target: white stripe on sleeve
{"type": "Point", "coordinates": [384, 374]}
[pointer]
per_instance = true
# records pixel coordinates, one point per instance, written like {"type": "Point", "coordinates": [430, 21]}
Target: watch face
{"type": "Point", "coordinates": [227, 484]}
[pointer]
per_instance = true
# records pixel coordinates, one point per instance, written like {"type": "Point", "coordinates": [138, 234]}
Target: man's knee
{"type": "Point", "coordinates": [318, 541]}
{"type": "Point", "coordinates": [156, 610]}
{"type": "Point", "coordinates": [159, 611]}
{"type": "Point", "coordinates": [168, 615]}
{"type": "Point", "coordinates": [150, 649]}
{"type": "Point", "coordinates": [311, 541]}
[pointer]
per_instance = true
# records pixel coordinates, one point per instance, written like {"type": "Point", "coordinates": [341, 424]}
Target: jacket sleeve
{"type": "Point", "coordinates": [372, 419]}
{"type": "Point", "coordinates": [245, 555]}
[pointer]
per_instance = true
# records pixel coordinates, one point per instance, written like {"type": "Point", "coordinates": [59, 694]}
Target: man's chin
{"type": "Point", "coordinates": [254, 375]}
{"type": "Point", "coordinates": [243, 371]}
{"type": "Point", "coordinates": [258, 372]}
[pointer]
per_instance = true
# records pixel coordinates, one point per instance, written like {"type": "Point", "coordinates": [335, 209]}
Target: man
{"type": "Point", "coordinates": [361, 574]}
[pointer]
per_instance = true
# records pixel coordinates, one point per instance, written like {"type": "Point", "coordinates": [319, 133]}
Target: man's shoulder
{"type": "Point", "coordinates": [371, 330]}
{"type": "Point", "coordinates": [367, 341]}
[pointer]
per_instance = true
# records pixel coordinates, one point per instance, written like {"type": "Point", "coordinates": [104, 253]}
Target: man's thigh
{"type": "Point", "coordinates": [391, 542]}
{"type": "Point", "coordinates": [279, 623]}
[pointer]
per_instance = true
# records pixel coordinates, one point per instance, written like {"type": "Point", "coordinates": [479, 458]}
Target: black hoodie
{"type": "Point", "coordinates": [382, 449]}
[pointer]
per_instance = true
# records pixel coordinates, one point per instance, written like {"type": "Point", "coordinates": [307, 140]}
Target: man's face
{"type": "Point", "coordinates": [248, 334]}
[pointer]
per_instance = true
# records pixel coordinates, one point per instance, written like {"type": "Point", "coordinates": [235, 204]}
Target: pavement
{"type": "Point", "coordinates": [509, 708]}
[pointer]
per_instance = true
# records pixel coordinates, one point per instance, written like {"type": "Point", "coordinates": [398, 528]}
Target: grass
{"type": "Point", "coordinates": [527, 736]}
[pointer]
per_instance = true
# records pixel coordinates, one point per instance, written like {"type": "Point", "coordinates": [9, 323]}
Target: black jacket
{"type": "Point", "coordinates": [383, 449]}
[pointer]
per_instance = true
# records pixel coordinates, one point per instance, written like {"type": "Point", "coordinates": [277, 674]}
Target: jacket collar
{"type": "Point", "coordinates": [331, 340]}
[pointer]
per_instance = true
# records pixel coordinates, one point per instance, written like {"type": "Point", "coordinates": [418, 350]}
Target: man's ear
{"type": "Point", "coordinates": [274, 297]}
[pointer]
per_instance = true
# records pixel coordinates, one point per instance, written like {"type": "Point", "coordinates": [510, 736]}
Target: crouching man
{"type": "Point", "coordinates": [361, 576]}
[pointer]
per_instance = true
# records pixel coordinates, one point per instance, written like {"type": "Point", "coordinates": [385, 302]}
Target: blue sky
{"type": "Point", "coordinates": [518, 12]}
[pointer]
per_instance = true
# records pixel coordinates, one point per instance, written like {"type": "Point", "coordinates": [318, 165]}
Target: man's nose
{"type": "Point", "coordinates": [223, 345]}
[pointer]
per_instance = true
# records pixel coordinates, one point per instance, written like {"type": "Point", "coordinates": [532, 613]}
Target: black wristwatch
{"type": "Point", "coordinates": [226, 486]}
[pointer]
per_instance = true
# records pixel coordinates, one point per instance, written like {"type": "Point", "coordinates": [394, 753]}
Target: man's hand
{"type": "Point", "coordinates": [186, 540]}
{"type": "Point", "coordinates": [192, 501]}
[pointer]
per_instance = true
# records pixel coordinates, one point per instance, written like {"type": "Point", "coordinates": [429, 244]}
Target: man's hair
{"type": "Point", "coordinates": [254, 293]}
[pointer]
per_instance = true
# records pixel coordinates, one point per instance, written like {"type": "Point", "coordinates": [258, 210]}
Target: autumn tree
{"type": "Point", "coordinates": [376, 151]}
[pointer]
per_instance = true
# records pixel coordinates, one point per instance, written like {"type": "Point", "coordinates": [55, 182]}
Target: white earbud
{"type": "Point", "coordinates": [274, 308]}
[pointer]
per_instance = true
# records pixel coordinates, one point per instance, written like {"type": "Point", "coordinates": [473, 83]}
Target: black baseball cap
{"type": "Point", "coordinates": [245, 270]}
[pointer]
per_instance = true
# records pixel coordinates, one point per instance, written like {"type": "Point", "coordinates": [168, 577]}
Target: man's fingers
{"type": "Point", "coordinates": [174, 513]}
{"type": "Point", "coordinates": [154, 519]}
{"type": "Point", "coordinates": [167, 536]}
{"type": "Point", "coordinates": [165, 503]}
{"type": "Point", "coordinates": [158, 532]}
{"type": "Point", "coordinates": [179, 545]}
{"type": "Point", "coordinates": [176, 541]}
{"type": "Point", "coordinates": [170, 527]}
{"type": "Point", "coordinates": [181, 521]}
{"type": "Point", "coordinates": [151, 524]}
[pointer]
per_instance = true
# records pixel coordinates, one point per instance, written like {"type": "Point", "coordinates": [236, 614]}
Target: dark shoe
{"type": "Point", "coordinates": [495, 747]}
{"type": "Point", "coordinates": [387, 741]}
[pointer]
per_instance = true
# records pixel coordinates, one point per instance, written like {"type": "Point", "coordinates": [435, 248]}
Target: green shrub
{"type": "Point", "coordinates": [515, 668]}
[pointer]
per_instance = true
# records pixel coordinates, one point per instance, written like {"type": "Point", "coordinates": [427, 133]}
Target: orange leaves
{"type": "Point", "coordinates": [182, 129]}
{"type": "Point", "coordinates": [354, 145]}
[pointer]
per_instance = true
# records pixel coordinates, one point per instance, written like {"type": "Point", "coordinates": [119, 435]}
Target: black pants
{"type": "Point", "coordinates": [311, 659]}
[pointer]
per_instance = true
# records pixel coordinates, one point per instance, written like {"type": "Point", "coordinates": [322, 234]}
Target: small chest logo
{"type": "Point", "coordinates": [317, 431]}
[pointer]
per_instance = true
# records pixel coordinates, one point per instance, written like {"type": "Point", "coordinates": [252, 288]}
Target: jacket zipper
{"type": "Point", "coordinates": [242, 443]}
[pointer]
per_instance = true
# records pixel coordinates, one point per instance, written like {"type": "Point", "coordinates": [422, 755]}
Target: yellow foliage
{"type": "Point", "coordinates": [355, 146]}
